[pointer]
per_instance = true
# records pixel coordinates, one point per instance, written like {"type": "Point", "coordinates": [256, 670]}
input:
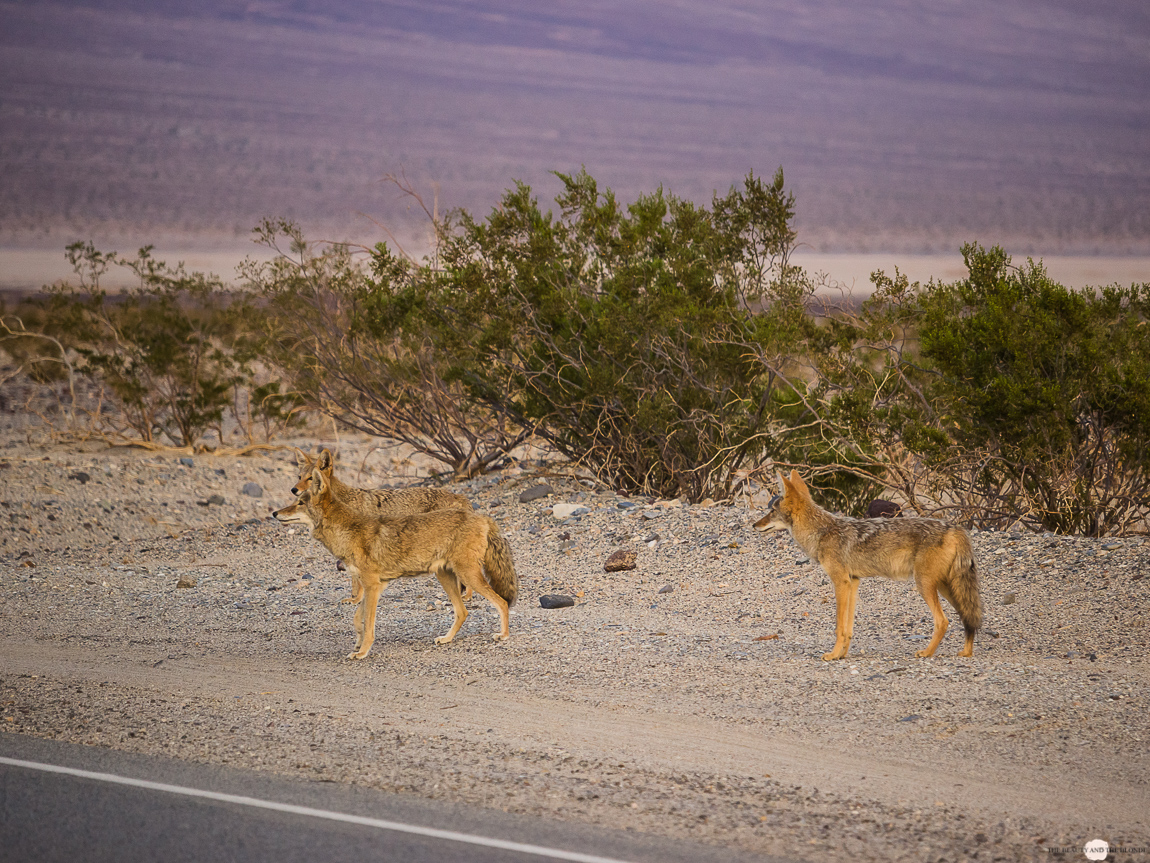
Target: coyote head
{"type": "Point", "coordinates": [309, 490]}
{"type": "Point", "coordinates": [308, 466]}
{"type": "Point", "coordinates": [296, 513]}
{"type": "Point", "coordinates": [781, 509]}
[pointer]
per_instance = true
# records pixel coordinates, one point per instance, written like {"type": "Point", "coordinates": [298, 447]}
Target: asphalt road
{"type": "Point", "coordinates": [64, 802]}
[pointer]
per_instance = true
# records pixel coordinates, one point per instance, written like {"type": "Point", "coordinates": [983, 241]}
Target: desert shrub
{"type": "Point", "coordinates": [349, 333]}
{"type": "Point", "coordinates": [1043, 394]}
{"type": "Point", "coordinates": [622, 334]}
{"type": "Point", "coordinates": [171, 351]}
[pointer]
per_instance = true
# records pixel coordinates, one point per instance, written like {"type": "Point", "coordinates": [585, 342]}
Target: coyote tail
{"type": "Point", "coordinates": [499, 567]}
{"type": "Point", "coordinates": [964, 589]}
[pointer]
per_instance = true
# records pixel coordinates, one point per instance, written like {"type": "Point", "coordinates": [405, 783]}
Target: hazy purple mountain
{"type": "Point", "coordinates": [899, 125]}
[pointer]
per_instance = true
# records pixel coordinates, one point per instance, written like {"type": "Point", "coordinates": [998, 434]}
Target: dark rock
{"type": "Point", "coordinates": [883, 509]}
{"type": "Point", "coordinates": [80, 477]}
{"type": "Point", "coordinates": [252, 489]}
{"type": "Point", "coordinates": [187, 461]}
{"type": "Point", "coordinates": [666, 588]}
{"type": "Point", "coordinates": [1009, 599]}
{"type": "Point", "coordinates": [556, 600]}
{"type": "Point", "coordinates": [621, 560]}
{"type": "Point", "coordinates": [186, 582]}
{"type": "Point", "coordinates": [535, 492]}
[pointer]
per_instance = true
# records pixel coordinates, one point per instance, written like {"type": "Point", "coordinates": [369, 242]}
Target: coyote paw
{"type": "Point", "coordinates": [499, 636]}
{"type": "Point", "coordinates": [357, 654]}
{"type": "Point", "coordinates": [924, 653]}
{"type": "Point", "coordinates": [445, 639]}
{"type": "Point", "coordinates": [348, 599]}
{"type": "Point", "coordinates": [828, 657]}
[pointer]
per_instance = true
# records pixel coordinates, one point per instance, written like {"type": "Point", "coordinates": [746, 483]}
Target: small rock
{"type": "Point", "coordinates": [556, 600]}
{"type": "Point", "coordinates": [252, 489]}
{"type": "Point", "coordinates": [535, 492]}
{"type": "Point", "coordinates": [910, 718]}
{"type": "Point", "coordinates": [186, 581]}
{"type": "Point", "coordinates": [1009, 599]}
{"type": "Point", "coordinates": [626, 504]}
{"type": "Point", "coordinates": [651, 514]}
{"type": "Point", "coordinates": [80, 477]}
{"type": "Point", "coordinates": [666, 588]}
{"type": "Point", "coordinates": [883, 509]}
{"type": "Point", "coordinates": [187, 461]}
{"type": "Point", "coordinates": [563, 511]}
{"type": "Point", "coordinates": [221, 472]}
{"type": "Point", "coordinates": [1111, 546]}
{"type": "Point", "coordinates": [621, 560]}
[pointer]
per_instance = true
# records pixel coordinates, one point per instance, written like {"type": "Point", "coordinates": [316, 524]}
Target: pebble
{"type": "Point", "coordinates": [562, 511]}
{"type": "Point", "coordinates": [536, 492]}
{"type": "Point", "coordinates": [620, 561]}
{"type": "Point", "coordinates": [556, 600]}
{"type": "Point", "coordinates": [252, 489]}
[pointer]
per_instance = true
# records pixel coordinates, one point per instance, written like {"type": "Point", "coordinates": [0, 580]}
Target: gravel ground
{"type": "Point", "coordinates": [686, 697]}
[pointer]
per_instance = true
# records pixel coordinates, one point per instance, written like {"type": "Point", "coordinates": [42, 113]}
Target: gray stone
{"type": "Point", "coordinates": [535, 492]}
{"type": "Point", "coordinates": [556, 600]}
{"type": "Point", "coordinates": [252, 489]}
{"type": "Point", "coordinates": [563, 511]}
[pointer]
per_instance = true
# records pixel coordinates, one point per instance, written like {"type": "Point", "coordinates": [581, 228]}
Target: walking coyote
{"type": "Point", "coordinates": [848, 549]}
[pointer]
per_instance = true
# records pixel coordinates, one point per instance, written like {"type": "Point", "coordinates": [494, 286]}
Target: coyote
{"type": "Point", "coordinates": [371, 503]}
{"type": "Point", "coordinates": [848, 549]}
{"type": "Point", "coordinates": [456, 545]}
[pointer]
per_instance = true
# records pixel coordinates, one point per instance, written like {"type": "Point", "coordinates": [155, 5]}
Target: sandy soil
{"type": "Point", "coordinates": [685, 698]}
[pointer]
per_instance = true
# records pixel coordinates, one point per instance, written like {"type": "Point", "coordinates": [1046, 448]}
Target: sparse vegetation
{"type": "Point", "coordinates": [671, 349]}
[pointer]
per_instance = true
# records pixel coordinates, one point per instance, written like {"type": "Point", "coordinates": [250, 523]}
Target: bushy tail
{"type": "Point", "coordinates": [499, 567]}
{"type": "Point", "coordinates": [963, 585]}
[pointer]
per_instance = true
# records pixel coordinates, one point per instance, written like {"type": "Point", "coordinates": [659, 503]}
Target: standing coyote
{"type": "Point", "coordinates": [848, 549]}
{"type": "Point", "coordinates": [456, 545]}
{"type": "Point", "coordinates": [371, 503]}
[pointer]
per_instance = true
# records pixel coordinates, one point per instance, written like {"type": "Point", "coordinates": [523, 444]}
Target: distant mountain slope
{"type": "Point", "coordinates": [900, 125]}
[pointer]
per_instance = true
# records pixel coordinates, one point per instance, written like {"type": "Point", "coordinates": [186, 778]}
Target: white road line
{"type": "Point", "coordinates": [399, 827]}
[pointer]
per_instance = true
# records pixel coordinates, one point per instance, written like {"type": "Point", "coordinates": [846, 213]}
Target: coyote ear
{"type": "Point", "coordinates": [319, 482]}
{"type": "Point", "coordinates": [797, 481]}
{"type": "Point", "coordinates": [302, 459]}
{"type": "Point", "coordinates": [782, 482]}
{"type": "Point", "coordinates": [324, 461]}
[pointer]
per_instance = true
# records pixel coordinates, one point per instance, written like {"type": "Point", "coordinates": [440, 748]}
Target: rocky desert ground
{"type": "Point", "coordinates": [148, 603]}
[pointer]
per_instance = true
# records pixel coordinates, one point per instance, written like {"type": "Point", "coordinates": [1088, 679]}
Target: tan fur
{"type": "Point", "coordinates": [454, 544]}
{"type": "Point", "coordinates": [938, 555]}
{"type": "Point", "coordinates": [372, 503]}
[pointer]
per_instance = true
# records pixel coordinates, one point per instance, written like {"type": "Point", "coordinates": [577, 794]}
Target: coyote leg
{"type": "Point", "coordinates": [968, 647]}
{"type": "Point", "coordinates": [844, 608]}
{"type": "Point", "coordinates": [476, 580]}
{"type": "Point", "coordinates": [365, 619]}
{"type": "Point", "coordinates": [450, 582]}
{"type": "Point", "coordinates": [356, 586]}
{"type": "Point", "coordinates": [930, 594]}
